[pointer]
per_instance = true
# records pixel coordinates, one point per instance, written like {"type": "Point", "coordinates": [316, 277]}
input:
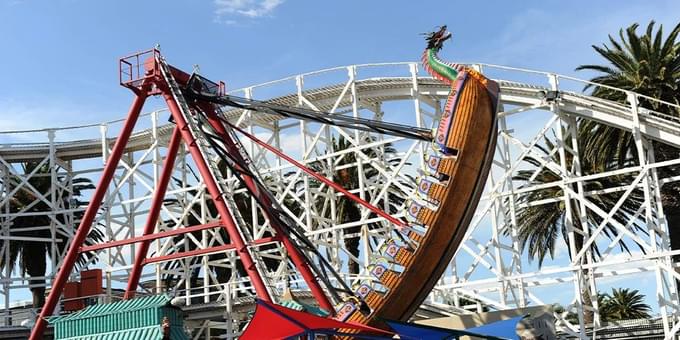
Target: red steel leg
{"type": "Point", "coordinates": [151, 237]}
{"type": "Point", "coordinates": [204, 251]}
{"type": "Point", "coordinates": [154, 212]}
{"type": "Point", "coordinates": [90, 213]}
{"type": "Point", "coordinates": [293, 252]}
{"type": "Point", "coordinates": [225, 216]}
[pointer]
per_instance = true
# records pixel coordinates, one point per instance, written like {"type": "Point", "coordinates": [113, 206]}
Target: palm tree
{"type": "Point", "coordinates": [347, 176]}
{"type": "Point", "coordinates": [539, 226]}
{"type": "Point", "coordinates": [32, 255]}
{"type": "Point", "coordinates": [623, 304]}
{"type": "Point", "coordinates": [649, 65]}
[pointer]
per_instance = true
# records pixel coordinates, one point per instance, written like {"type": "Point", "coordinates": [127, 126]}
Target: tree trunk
{"type": "Point", "coordinates": [38, 292]}
{"type": "Point", "coordinates": [34, 258]}
{"type": "Point", "coordinates": [670, 198]}
{"type": "Point", "coordinates": [352, 246]}
{"type": "Point", "coordinates": [673, 218]}
{"type": "Point", "coordinates": [352, 243]}
{"type": "Point", "coordinates": [670, 195]}
{"type": "Point", "coordinates": [671, 208]}
{"type": "Point", "coordinates": [588, 314]}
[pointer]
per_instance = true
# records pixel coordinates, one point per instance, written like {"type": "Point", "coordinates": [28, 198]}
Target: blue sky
{"type": "Point", "coordinates": [59, 57]}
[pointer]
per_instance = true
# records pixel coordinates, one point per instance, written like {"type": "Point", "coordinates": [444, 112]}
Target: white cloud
{"type": "Point", "coordinates": [244, 8]}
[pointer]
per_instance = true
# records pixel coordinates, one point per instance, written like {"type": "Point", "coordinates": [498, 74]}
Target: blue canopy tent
{"type": "Point", "coordinates": [500, 330]}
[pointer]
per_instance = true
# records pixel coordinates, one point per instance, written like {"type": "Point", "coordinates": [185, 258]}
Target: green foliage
{"type": "Point", "coordinates": [569, 316]}
{"type": "Point", "coordinates": [623, 304]}
{"type": "Point", "coordinates": [649, 65]}
{"type": "Point", "coordinates": [646, 64]}
{"type": "Point", "coordinates": [542, 215]}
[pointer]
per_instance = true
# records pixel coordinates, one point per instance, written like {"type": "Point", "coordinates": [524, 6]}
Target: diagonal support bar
{"type": "Point", "coordinates": [294, 253]}
{"type": "Point", "coordinates": [151, 237]}
{"type": "Point", "coordinates": [215, 193]}
{"type": "Point", "coordinates": [90, 213]}
{"type": "Point", "coordinates": [355, 123]}
{"type": "Point", "coordinates": [209, 250]}
{"type": "Point", "coordinates": [154, 212]}
{"type": "Point", "coordinates": [321, 178]}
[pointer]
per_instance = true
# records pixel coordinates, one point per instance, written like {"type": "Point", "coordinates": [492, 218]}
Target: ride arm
{"type": "Point", "coordinates": [201, 88]}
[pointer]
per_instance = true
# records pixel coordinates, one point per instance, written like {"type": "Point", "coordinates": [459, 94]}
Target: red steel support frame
{"type": "Point", "coordinates": [154, 212]}
{"type": "Point", "coordinates": [180, 133]}
{"type": "Point", "coordinates": [294, 253]}
{"type": "Point", "coordinates": [90, 213]}
{"type": "Point", "coordinates": [151, 237]}
{"type": "Point", "coordinates": [206, 251]}
{"type": "Point", "coordinates": [225, 215]}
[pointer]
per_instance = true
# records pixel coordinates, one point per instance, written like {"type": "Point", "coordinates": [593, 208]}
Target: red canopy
{"type": "Point", "coordinates": [276, 322]}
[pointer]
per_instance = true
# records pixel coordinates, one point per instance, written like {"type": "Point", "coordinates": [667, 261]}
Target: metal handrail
{"type": "Point", "coordinates": [357, 67]}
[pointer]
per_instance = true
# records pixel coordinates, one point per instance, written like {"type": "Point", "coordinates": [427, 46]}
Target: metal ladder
{"type": "Point", "coordinates": [211, 160]}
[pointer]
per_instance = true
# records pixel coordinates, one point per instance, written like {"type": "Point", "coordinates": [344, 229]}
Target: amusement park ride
{"type": "Point", "coordinates": [216, 257]}
{"type": "Point", "coordinates": [415, 255]}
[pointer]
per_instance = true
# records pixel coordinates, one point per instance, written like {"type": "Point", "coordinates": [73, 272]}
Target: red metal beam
{"type": "Point", "coordinates": [294, 253]}
{"type": "Point", "coordinates": [205, 251]}
{"type": "Point", "coordinates": [151, 237]}
{"type": "Point", "coordinates": [90, 213]}
{"type": "Point", "coordinates": [213, 189]}
{"type": "Point", "coordinates": [321, 178]}
{"type": "Point", "coordinates": [154, 212]}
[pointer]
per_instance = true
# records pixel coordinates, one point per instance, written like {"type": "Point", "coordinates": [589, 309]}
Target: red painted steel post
{"type": "Point", "coordinates": [323, 179]}
{"type": "Point", "coordinates": [293, 252]}
{"type": "Point", "coordinates": [205, 251]}
{"type": "Point", "coordinates": [221, 207]}
{"type": "Point", "coordinates": [90, 213]}
{"type": "Point", "coordinates": [154, 212]}
{"type": "Point", "coordinates": [151, 237]}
